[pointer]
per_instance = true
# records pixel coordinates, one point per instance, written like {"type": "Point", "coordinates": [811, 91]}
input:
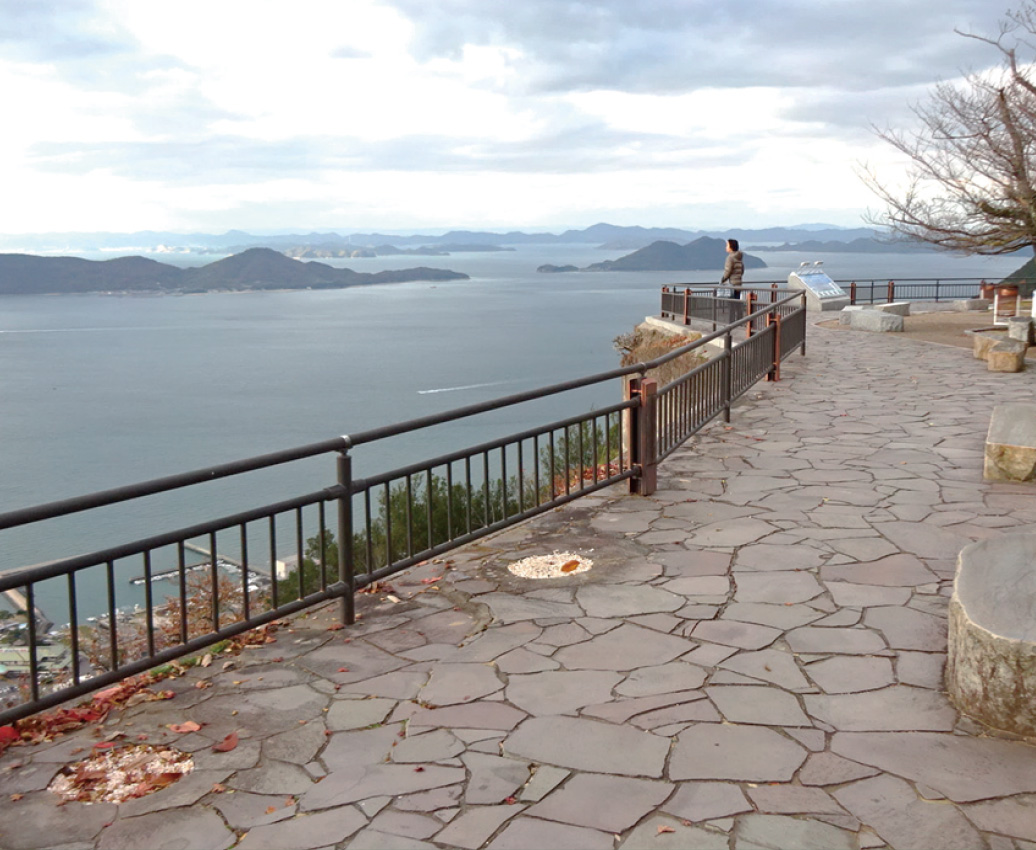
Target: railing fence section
{"type": "Point", "coordinates": [237, 572]}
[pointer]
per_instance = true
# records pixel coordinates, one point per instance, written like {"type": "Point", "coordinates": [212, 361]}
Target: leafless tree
{"type": "Point", "coordinates": [970, 183]}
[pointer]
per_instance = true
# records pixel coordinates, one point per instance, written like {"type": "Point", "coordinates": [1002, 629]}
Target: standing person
{"type": "Point", "coordinates": [734, 269]}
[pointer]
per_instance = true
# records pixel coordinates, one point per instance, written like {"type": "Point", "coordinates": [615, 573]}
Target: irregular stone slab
{"type": "Point", "coordinates": [991, 665]}
{"type": "Point", "coordinates": [169, 830]}
{"type": "Point", "coordinates": [675, 836]}
{"type": "Point", "coordinates": [665, 678]}
{"type": "Point", "coordinates": [906, 628]}
{"type": "Point", "coordinates": [400, 685]}
{"type": "Point", "coordinates": [602, 802]}
{"type": "Point", "coordinates": [624, 648]}
{"type": "Point", "coordinates": [521, 660]}
{"type": "Point", "coordinates": [495, 641]}
{"type": "Point", "coordinates": [323, 829]}
{"type": "Point", "coordinates": [1015, 816]}
{"type": "Point", "coordinates": [758, 705]}
{"type": "Point", "coordinates": [732, 633]}
{"type": "Point", "coordinates": [405, 824]}
{"type": "Point", "coordinates": [961, 768]}
{"type": "Point", "coordinates": [436, 745]}
{"type": "Point", "coordinates": [698, 801]}
{"type": "Point", "coordinates": [525, 832]}
{"type": "Point", "coordinates": [563, 634]}
{"type": "Point", "coordinates": [360, 661]}
{"type": "Point", "coordinates": [351, 785]}
{"type": "Point", "coordinates": [612, 600]}
{"type": "Point", "coordinates": [778, 616]}
{"type": "Point", "coordinates": [851, 675]}
{"type": "Point", "coordinates": [699, 586]}
{"type": "Point", "coordinates": [493, 778]}
{"type": "Point", "coordinates": [894, 571]}
{"type": "Point", "coordinates": [474, 715]}
{"type": "Point", "coordinates": [736, 532]}
{"type": "Point", "coordinates": [273, 777]}
{"type": "Point", "coordinates": [68, 823]}
{"type": "Point", "coordinates": [922, 669]}
{"type": "Point", "coordinates": [452, 684]}
{"type": "Point", "coordinates": [373, 839]}
{"type": "Point", "coordinates": [793, 799]}
{"type": "Point", "coordinates": [824, 768]}
{"type": "Point", "coordinates": [925, 539]}
{"type": "Point", "coordinates": [770, 557]}
{"type": "Point", "coordinates": [699, 562]}
{"type": "Point", "coordinates": [743, 753]}
{"type": "Point", "coordinates": [358, 713]}
{"type": "Point", "coordinates": [769, 665]}
{"type": "Point", "coordinates": [890, 807]}
{"type": "Point", "coordinates": [561, 691]}
{"type": "Point", "coordinates": [818, 640]}
{"type": "Point", "coordinates": [588, 745]}
{"type": "Point", "coordinates": [776, 588]}
{"type": "Point", "coordinates": [259, 712]}
{"type": "Point", "coordinates": [621, 710]}
{"type": "Point", "coordinates": [700, 711]}
{"type": "Point", "coordinates": [471, 829]}
{"type": "Point", "coordinates": [184, 792]}
{"type": "Point", "coordinates": [510, 608]}
{"type": "Point", "coordinates": [775, 831]}
{"type": "Point", "coordinates": [360, 748]}
{"type": "Point", "coordinates": [848, 595]}
{"type": "Point", "coordinates": [544, 780]}
{"type": "Point", "coordinates": [898, 708]}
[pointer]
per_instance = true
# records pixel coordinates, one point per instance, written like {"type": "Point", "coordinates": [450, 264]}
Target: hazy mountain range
{"type": "Point", "coordinates": [256, 268]}
{"type": "Point", "coordinates": [704, 253]}
{"type": "Point", "coordinates": [607, 236]}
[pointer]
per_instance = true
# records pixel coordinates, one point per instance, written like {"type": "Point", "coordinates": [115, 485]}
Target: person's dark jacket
{"type": "Point", "coordinates": [734, 269]}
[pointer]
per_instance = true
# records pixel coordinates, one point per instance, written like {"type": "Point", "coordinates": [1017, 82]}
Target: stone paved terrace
{"type": "Point", "coordinates": [754, 660]}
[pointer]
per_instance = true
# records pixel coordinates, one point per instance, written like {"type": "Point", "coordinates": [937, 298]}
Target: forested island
{"type": "Point", "coordinates": [702, 254]}
{"type": "Point", "coordinates": [254, 269]}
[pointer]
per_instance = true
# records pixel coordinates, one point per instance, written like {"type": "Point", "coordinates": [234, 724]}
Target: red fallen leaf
{"type": "Point", "coordinates": [662, 829]}
{"type": "Point", "coordinates": [218, 789]}
{"type": "Point", "coordinates": [343, 669]}
{"type": "Point", "coordinates": [276, 660]}
{"type": "Point", "coordinates": [511, 801]}
{"type": "Point", "coordinates": [227, 744]}
{"type": "Point", "coordinates": [270, 810]}
{"type": "Point", "coordinates": [431, 580]}
{"type": "Point", "coordinates": [418, 770]}
{"type": "Point", "coordinates": [189, 726]}
{"type": "Point", "coordinates": [337, 627]}
{"type": "Point", "coordinates": [104, 745]}
{"type": "Point", "coordinates": [7, 734]}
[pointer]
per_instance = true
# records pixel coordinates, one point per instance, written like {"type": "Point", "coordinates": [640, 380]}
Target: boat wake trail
{"type": "Point", "coordinates": [465, 387]}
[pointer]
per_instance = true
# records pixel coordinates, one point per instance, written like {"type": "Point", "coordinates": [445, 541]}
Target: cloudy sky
{"type": "Point", "coordinates": [207, 115]}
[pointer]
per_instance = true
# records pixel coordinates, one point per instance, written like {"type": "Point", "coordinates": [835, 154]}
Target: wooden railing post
{"type": "Point", "coordinates": [892, 291]}
{"type": "Point", "coordinates": [686, 305]}
{"type": "Point", "coordinates": [750, 303]}
{"type": "Point", "coordinates": [644, 421]}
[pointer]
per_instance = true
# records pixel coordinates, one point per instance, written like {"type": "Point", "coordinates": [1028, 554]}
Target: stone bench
{"type": "Point", "coordinates": [991, 662]}
{"type": "Point", "coordinates": [968, 304]}
{"type": "Point", "coordinates": [899, 308]}
{"type": "Point", "coordinates": [878, 321]}
{"type": "Point", "coordinates": [1001, 352]}
{"type": "Point", "coordinates": [1010, 453]}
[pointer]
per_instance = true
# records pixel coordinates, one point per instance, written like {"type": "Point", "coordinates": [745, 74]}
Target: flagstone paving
{"type": "Point", "coordinates": [754, 660]}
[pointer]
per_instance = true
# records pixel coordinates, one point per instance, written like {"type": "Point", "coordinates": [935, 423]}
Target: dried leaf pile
{"type": "Point", "coordinates": [122, 773]}
{"type": "Point", "coordinates": [554, 565]}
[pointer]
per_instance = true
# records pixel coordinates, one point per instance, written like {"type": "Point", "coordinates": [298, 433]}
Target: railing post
{"type": "Point", "coordinates": [773, 293]}
{"type": "Point", "coordinates": [852, 292]}
{"type": "Point", "coordinates": [775, 370]}
{"type": "Point", "coordinates": [750, 303]}
{"type": "Point", "coordinates": [642, 438]}
{"type": "Point", "coordinates": [802, 305]}
{"type": "Point", "coordinates": [892, 291]}
{"type": "Point", "coordinates": [727, 373]}
{"type": "Point", "coordinates": [686, 305]}
{"type": "Point", "coordinates": [347, 604]}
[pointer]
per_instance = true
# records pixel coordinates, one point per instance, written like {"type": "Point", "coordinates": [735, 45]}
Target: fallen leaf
{"type": "Point", "coordinates": [343, 669]}
{"type": "Point", "coordinates": [206, 659]}
{"type": "Point", "coordinates": [270, 810]}
{"type": "Point", "coordinates": [568, 566]}
{"type": "Point", "coordinates": [337, 627]}
{"type": "Point", "coordinates": [227, 744]}
{"type": "Point", "coordinates": [418, 770]}
{"type": "Point", "coordinates": [104, 745]}
{"type": "Point", "coordinates": [431, 580]}
{"type": "Point", "coordinates": [392, 598]}
{"type": "Point", "coordinates": [16, 797]}
{"type": "Point", "coordinates": [202, 685]}
{"type": "Point", "coordinates": [662, 829]}
{"type": "Point", "coordinates": [189, 726]}
{"type": "Point", "coordinates": [218, 789]}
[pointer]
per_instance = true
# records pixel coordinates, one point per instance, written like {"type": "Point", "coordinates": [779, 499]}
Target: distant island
{"type": "Point", "coordinates": [704, 254]}
{"type": "Point", "coordinates": [254, 269]}
{"type": "Point", "coordinates": [854, 246]}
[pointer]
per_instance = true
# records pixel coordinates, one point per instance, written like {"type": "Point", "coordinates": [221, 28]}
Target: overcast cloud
{"type": "Point", "coordinates": [406, 114]}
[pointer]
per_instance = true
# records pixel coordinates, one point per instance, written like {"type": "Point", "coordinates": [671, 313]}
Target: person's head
{"type": "Point", "coordinates": [732, 246]}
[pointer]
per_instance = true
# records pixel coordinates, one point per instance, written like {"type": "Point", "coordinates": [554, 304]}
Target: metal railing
{"type": "Point", "coordinates": [357, 531]}
{"type": "Point", "coordinates": [920, 289]}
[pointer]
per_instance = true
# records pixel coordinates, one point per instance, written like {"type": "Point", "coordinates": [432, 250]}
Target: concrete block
{"type": "Point", "coordinates": [847, 312]}
{"type": "Point", "coordinates": [1020, 328]}
{"type": "Point", "coordinates": [875, 320]}
{"type": "Point", "coordinates": [967, 304]}
{"type": "Point", "coordinates": [991, 660]}
{"type": "Point", "coordinates": [1006, 356]}
{"type": "Point", "coordinates": [1010, 453]}
{"type": "Point", "coordinates": [899, 308]}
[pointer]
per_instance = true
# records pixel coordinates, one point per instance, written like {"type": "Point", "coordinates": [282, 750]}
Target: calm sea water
{"type": "Point", "coordinates": [102, 391]}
